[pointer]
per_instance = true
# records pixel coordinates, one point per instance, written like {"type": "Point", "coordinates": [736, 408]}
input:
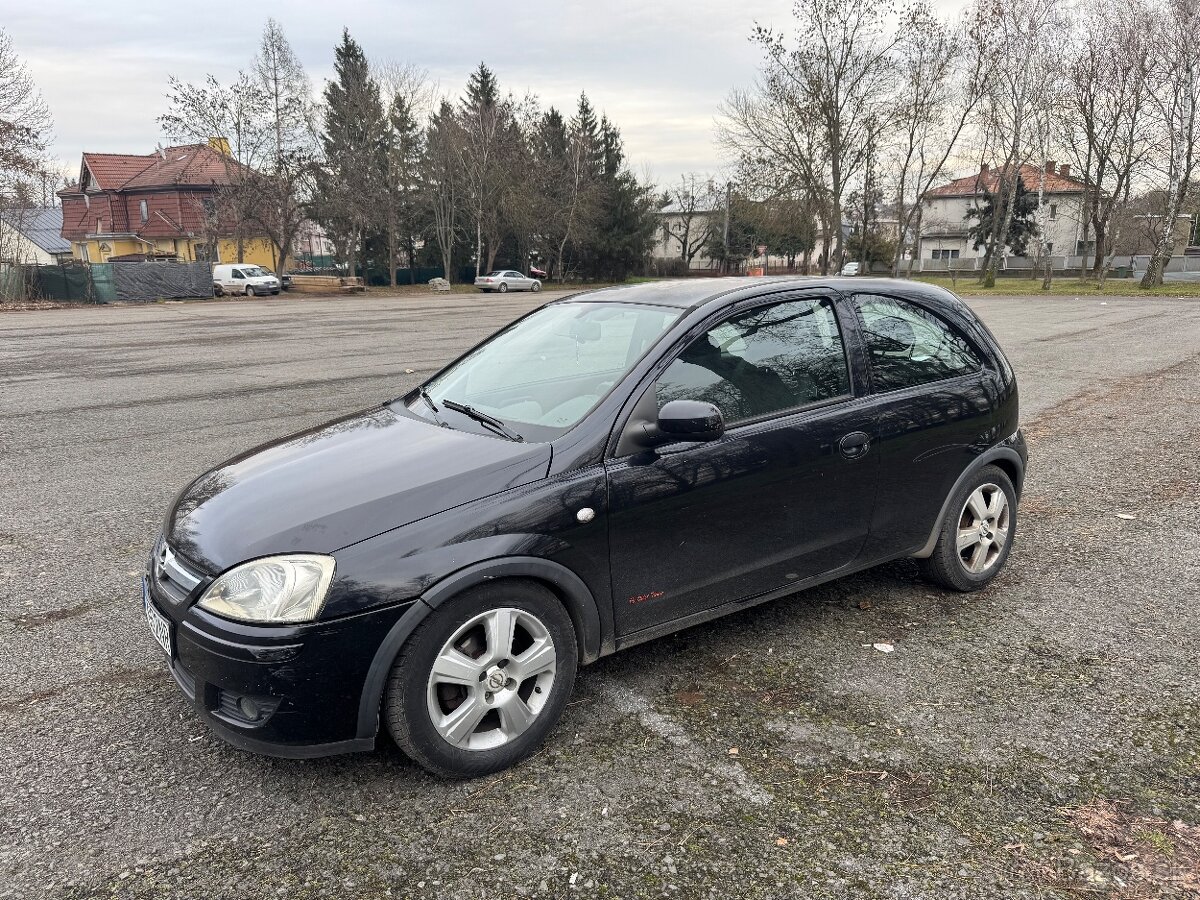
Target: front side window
{"type": "Point", "coordinates": [910, 346]}
{"type": "Point", "coordinates": [237, 273]}
{"type": "Point", "coordinates": [543, 374]}
{"type": "Point", "coordinates": [762, 361]}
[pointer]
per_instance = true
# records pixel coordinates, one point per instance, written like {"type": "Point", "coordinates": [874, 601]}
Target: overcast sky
{"type": "Point", "coordinates": [659, 70]}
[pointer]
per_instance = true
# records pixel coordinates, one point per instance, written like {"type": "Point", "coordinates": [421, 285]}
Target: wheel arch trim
{"type": "Point", "coordinates": [566, 585]}
{"type": "Point", "coordinates": [1007, 454]}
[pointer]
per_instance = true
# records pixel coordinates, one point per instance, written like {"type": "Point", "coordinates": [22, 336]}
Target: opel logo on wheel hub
{"type": "Point", "coordinates": [497, 679]}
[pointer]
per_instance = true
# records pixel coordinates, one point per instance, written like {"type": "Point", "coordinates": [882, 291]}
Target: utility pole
{"type": "Point", "coordinates": [725, 238]}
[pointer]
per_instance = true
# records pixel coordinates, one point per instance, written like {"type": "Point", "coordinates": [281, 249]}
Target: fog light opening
{"type": "Point", "coordinates": [248, 708]}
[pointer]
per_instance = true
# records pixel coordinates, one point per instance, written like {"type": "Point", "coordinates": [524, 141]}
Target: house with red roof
{"type": "Point", "coordinates": [944, 221]}
{"type": "Point", "coordinates": [161, 205]}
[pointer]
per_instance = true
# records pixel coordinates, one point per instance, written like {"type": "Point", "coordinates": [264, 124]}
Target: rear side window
{"type": "Point", "coordinates": [910, 346]}
{"type": "Point", "coordinates": [762, 361]}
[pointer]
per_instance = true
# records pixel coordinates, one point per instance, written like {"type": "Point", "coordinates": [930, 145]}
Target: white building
{"type": "Point", "coordinates": [677, 229]}
{"type": "Point", "coordinates": [33, 236]}
{"type": "Point", "coordinates": [944, 223]}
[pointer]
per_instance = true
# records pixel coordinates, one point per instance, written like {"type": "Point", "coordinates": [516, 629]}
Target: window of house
{"type": "Point", "coordinates": [144, 209]}
{"type": "Point", "coordinates": [762, 361]}
{"type": "Point", "coordinates": [1053, 210]}
{"type": "Point", "coordinates": [909, 345]}
{"type": "Point", "coordinates": [944, 254]}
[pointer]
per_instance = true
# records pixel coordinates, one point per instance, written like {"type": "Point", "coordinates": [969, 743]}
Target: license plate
{"type": "Point", "coordinates": [159, 626]}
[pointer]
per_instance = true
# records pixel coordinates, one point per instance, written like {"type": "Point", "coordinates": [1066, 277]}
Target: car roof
{"type": "Point", "coordinates": [693, 293]}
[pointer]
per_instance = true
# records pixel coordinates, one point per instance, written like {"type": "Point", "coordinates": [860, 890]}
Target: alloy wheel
{"type": "Point", "coordinates": [491, 679]}
{"type": "Point", "coordinates": [983, 529]}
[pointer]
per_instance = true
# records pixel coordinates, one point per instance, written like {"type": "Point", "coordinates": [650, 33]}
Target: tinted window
{"type": "Point", "coordinates": [761, 361]}
{"type": "Point", "coordinates": [237, 273]}
{"type": "Point", "coordinates": [910, 346]}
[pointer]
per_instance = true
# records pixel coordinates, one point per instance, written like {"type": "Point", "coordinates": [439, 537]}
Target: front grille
{"type": "Point", "coordinates": [174, 579]}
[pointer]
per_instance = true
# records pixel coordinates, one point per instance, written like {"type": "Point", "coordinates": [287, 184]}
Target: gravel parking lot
{"type": "Point", "coordinates": [1037, 739]}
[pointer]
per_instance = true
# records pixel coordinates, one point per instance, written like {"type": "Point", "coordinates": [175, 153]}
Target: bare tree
{"type": "Point", "coordinates": [693, 200]}
{"type": "Point", "coordinates": [284, 181]}
{"type": "Point", "coordinates": [942, 72]}
{"type": "Point", "coordinates": [230, 115]}
{"type": "Point", "coordinates": [840, 73]}
{"type": "Point", "coordinates": [1102, 123]}
{"type": "Point", "coordinates": [442, 181]}
{"type": "Point", "coordinates": [1174, 95]}
{"type": "Point", "coordinates": [25, 123]}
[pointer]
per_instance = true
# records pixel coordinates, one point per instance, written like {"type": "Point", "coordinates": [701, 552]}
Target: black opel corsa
{"type": "Point", "coordinates": [612, 467]}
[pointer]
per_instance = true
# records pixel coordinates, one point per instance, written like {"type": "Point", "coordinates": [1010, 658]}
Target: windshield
{"type": "Point", "coordinates": [254, 271]}
{"type": "Point", "coordinates": [546, 372]}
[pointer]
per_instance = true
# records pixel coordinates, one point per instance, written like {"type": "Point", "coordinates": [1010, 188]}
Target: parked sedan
{"type": "Point", "coordinates": [613, 467]}
{"type": "Point", "coordinates": [504, 280]}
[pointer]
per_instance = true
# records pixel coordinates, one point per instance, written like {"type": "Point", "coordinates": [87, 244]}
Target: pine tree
{"type": "Point", "coordinates": [353, 144]}
{"type": "Point", "coordinates": [1021, 228]}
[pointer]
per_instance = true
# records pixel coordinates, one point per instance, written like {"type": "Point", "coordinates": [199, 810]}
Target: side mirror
{"type": "Point", "coordinates": [690, 420]}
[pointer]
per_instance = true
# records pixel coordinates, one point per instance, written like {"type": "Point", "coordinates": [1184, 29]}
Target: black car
{"type": "Point", "coordinates": [612, 467]}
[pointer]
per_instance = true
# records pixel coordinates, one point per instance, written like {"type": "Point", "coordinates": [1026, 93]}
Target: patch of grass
{"type": "Point", "coordinates": [1062, 286]}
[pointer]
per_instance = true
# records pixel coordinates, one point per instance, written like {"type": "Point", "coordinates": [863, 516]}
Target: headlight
{"type": "Point", "coordinates": [288, 588]}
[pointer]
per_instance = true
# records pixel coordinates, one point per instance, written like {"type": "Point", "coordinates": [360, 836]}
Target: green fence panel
{"type": "Point", "coordinates": [104, 290]}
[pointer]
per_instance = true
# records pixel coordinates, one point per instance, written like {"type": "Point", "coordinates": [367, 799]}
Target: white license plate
{"type": "Point", "coordinates": [159, 626]}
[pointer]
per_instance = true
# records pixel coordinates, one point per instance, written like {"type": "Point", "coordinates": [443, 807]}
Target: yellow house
{"type": "Point", "coordinates": [162, 205]}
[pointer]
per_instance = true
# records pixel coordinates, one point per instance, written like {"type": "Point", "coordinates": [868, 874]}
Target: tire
{"type": "Point", "coordinates": [249, 291]}
{"type": "Point", "coordinates": [983, 514]}
{"type": "Point", "coordinates": [502, 731]}
{"type": "Point", "coordinates": [503, 288]}
{"type": "Point", "coordinates": [537, 286]}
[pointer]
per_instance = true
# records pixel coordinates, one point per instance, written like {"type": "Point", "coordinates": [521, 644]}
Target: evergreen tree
{"type": "Point", "coordinates": [1021, 228]}
{"type": "Point", "coordinates": [353, 143]}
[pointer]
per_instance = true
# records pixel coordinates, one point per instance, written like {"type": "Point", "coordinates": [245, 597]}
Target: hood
{"type": "Point", "coordinates": [340, 483]}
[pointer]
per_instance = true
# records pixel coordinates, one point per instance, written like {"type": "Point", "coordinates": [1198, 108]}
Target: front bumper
{"type": "Point", "coordinates": [288, 690]}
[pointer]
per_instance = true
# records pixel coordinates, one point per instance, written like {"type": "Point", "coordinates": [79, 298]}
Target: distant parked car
{"type": "Point", "coordinates": [285, 282]}
{"type": "Point", "coordinates": [243, 278]}
{"type": "Point", "coordinates": [536, 272]}
{"type": "Point", "coordinates": [850, 268]}
{"type": "Point", "coordinates": [504, 280]}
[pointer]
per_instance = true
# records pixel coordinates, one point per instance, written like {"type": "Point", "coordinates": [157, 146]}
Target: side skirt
{"type": "Point", "coordinates": [657, 631]}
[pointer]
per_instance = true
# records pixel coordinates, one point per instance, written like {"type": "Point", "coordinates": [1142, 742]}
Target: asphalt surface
{"type": "Point", "coordinates": [774, 753]}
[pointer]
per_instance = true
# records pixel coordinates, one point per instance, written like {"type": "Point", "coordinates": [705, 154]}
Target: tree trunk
{"type": "Point", "coordinates": [1166, 239]}
{"type": "Point", "coordinates": [479, 242]}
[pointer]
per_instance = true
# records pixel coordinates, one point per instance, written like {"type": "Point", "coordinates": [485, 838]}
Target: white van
{"type": "Point", "coordinates": [243, 278]}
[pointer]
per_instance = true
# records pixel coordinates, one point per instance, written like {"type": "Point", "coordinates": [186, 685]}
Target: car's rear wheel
{"type": "Point", "coordinates": [503, 288]}
{"type": "Point", "coordinates": [977, 533]}
{"type": "Point", "coordinates": [482, 680]}
{"type": "Point", "coordinates": [218, 291]}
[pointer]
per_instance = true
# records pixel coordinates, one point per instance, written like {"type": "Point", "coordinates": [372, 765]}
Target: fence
{"type": "Point", "coordinates": [105, 282]}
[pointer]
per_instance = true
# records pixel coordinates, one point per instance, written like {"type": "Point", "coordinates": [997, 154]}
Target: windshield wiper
{"type": "Point", "coordinates": [483, 419]}
{"type": "Point", "coordinates": [424, 395]}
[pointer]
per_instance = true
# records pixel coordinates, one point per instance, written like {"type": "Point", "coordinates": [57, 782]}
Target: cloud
{"type": "Point", "coordinates": [658, 70]}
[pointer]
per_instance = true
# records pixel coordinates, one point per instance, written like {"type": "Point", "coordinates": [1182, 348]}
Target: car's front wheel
{"type": "Point", "coordinates": [249, 291]}
{"type": "Point", "coordinates": [977, 533]}
{"type": "Point", "coordinates": [483, 680]}
{"type": "Point", "coordinates": [537, 286]}
{"type": "Point", "coordinates": [503, 288]}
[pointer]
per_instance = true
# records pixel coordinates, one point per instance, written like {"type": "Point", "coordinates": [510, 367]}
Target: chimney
{"type": "Point", "coordinates": [1049, 167]}
{"type": "Point", "coordinates": [1064, 171]}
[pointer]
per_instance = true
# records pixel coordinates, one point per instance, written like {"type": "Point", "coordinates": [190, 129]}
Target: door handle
{"type": "Point", "coordinates": [855, 444]}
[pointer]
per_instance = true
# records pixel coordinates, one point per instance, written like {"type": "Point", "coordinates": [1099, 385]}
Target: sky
{"type": "Point", "coordinates": [659, 70]}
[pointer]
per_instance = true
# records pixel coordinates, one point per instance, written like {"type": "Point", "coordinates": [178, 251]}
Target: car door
{"type": "Point", "coordinates": [237, 281]}
{"type": "Point", "coordinates": [518, 282]}
{"type": "Point", "coordinates": [783, 496]}
{"type": "Point", "coordinates": [933, 402]}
